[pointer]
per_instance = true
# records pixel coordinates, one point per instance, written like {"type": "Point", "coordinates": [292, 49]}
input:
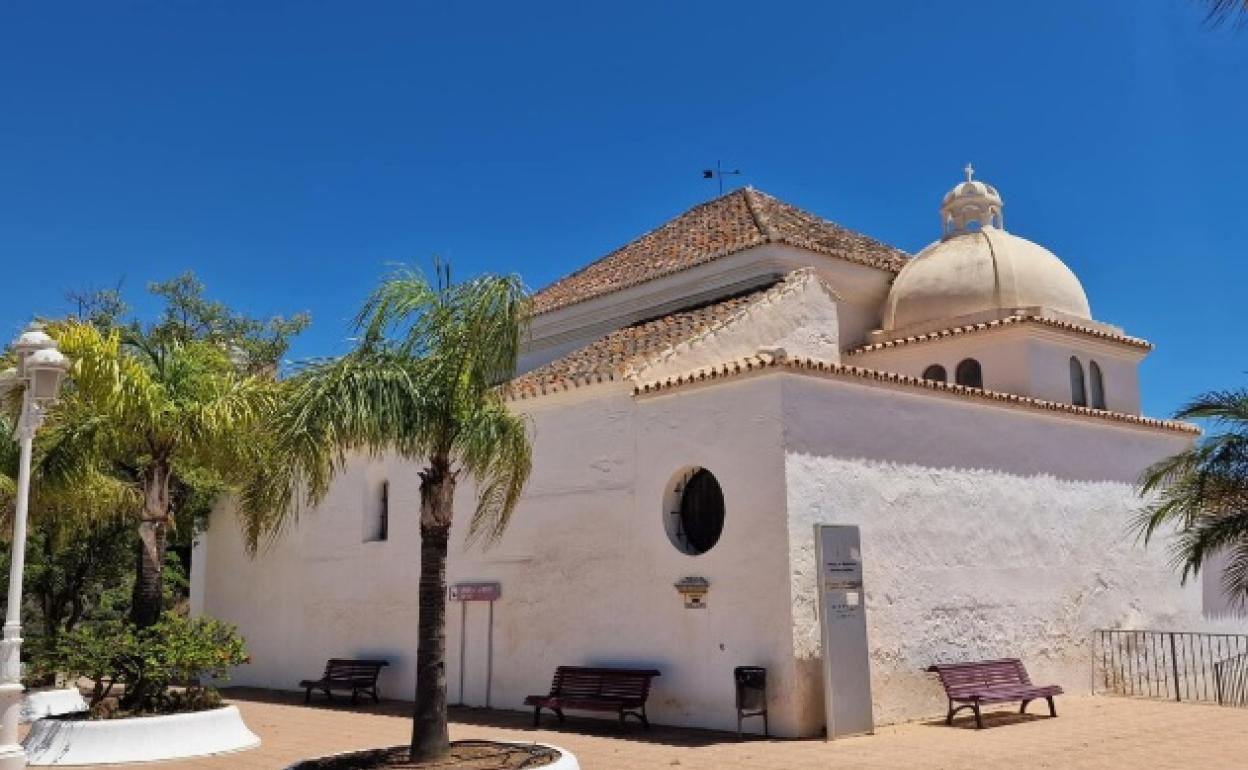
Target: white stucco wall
{"type": "Point", "coordinates": [586, 567]}
{"type": "Point", "coordinates": [1027, 360]}
{"type": "Point", "coordinates": [986, 531]}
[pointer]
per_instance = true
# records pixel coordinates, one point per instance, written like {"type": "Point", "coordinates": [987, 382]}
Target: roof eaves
{"type": "Point", "coordinates": [1001, 323]}
{"type": "Point", "coordinates": [809, 366]}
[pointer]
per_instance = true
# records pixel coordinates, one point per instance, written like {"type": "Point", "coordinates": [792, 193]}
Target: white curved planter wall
{"type": "Point", "coordinates": [566, 760]}
{"type": "Point", "coordinates": [140, 739]}
{"type": "Point", "coordinates": [38, 704]}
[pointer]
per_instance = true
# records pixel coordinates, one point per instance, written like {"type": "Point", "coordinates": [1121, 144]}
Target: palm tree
{"type": "Point", "coordinates": [139, 410]}
{"type": "Point", "coordinates": [1203, 491]}
{"type": "Point", "coordinates": [422, 384]}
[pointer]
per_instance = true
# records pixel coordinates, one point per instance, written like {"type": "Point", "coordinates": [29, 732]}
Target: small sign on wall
{"type": "Point", "coordinates": [694, 590]}
{"type": "Point", "coordinates": [475, 591]}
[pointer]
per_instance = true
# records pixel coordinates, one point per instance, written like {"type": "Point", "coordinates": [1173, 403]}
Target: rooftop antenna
{"type": "Point", "coordinates": [718, 173]}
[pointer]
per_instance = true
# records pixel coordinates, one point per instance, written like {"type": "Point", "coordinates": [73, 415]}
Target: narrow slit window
{"type": "Point", "coordinates": [1097, 385]}
{"type": "Point", "coordinates": [377, 512]}
{"type": "Point", "coordinates": [383, 512]}
{"type": "Point", "coordinates": [1078, 390]}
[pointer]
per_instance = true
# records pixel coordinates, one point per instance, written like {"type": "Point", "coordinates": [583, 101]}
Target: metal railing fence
{"type": "Point", "coordinates": [1175, 665]}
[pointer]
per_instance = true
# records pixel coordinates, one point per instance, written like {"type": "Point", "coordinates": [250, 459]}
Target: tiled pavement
{"type": "Point", "coordinates": [1092, 732]}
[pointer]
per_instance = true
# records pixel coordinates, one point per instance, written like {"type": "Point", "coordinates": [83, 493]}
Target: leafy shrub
{"type": "Point", "coordinates": [161, 668]}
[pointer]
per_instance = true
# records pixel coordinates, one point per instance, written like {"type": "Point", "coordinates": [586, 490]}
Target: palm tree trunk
{"type": "Point", "coordinates": [147, 600]}
{"type": "Point", "coordinates": [430, 738]}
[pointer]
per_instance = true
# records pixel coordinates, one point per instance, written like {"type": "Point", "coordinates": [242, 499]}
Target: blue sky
{"type": "Point", "coordinates": [287, 152]}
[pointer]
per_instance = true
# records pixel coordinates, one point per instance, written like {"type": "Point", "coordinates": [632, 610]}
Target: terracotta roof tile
{"type": "Point", "coordinates": [809, 366]}
{"type": "Point", "coordinates": [610, 356]}
{"type": "Point", "coordinates": [1002, 323]}
{"type": "Point", "coordinates": [731, 223]}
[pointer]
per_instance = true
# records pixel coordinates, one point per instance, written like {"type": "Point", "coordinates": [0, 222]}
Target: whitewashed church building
{"type": "Point", "coordinates": [702, 397]}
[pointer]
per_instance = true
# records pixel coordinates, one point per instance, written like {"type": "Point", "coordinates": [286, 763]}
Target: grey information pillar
{"type": "Point", "coordinates": [843, 631]}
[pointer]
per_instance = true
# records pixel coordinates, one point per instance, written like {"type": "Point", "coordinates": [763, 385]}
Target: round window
{"type": "Point", "coordinates": [694, 511]}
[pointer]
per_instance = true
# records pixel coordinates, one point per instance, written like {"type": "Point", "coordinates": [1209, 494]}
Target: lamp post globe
{"type": "Point", "coordinates": [30, 342]}
{"type": "Point", "coordinates": [45, 369]}
{"type": "Point", "coordinates": [41, 368]}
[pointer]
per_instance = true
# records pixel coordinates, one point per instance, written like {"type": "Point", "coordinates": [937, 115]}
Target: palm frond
{"type": "Point", "coordinates": [369, 400]}
{"type": "Point", "coordinates": [421, 384]}
{"type": "Point", "coordinates": [494, 448]}
{"type": "Point", "coordinates": [1201, 493]}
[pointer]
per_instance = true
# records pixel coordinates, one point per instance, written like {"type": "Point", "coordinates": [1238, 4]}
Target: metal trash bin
{"type": "Point", "coordinates": [751, 682]}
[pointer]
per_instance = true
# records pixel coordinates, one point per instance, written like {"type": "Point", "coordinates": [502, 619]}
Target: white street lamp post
{"type": "Point", "coordinates": [40, 369]}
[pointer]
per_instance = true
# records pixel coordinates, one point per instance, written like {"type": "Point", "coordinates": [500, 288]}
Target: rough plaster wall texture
{"type": "Point", "coordinates": [985, 532]}
{"type": "Point", "coordinates": [801, 318]}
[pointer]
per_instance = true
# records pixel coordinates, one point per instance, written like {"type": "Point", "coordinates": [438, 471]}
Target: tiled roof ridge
{"type": "Point", "coordinates": [643, 236]}
{"type": "Point", "coordinates": [832, 369]}
{"type": "Point", "coordinates": [749, 218]}
{"type": "Point", "coordinates": [893, 263]}
{"type": "Point", "coordinates": [760, 218]}
{"type": "Point", "coordinates": [1000, 323]}
{"type": "Point", "coordinates": [791, 282]}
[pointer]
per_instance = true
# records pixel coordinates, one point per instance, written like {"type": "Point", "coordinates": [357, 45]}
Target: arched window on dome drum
{"type": "Point", "coordinates": [969, 373]}
{"type": "Point", "coordinates": [1078, 391]}
{"type": "Point", "coordinates": [935, 372]}
{"type": "Point", "coordinates": [1097, 385]}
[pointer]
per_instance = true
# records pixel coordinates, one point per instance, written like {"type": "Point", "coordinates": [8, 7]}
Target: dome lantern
{"type": "Point", "coordinates": [971, 205]}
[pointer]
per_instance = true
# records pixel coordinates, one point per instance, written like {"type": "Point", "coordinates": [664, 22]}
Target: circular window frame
{"type": "Point", "coordinates": [675, 512]}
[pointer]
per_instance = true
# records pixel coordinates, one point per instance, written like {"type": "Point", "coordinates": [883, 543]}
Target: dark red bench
{"type": "Point", "coordinates": [622, 690]}
{"type": "Point", "coordinates": [357, 676]}
{"type": "Point", "coordinates": [990, 681]}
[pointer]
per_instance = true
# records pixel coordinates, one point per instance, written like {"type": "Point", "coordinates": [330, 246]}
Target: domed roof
{"type": "Point", "coordinates": [979, 271]}
{"type": "Point", "coordinates": [977, 268]}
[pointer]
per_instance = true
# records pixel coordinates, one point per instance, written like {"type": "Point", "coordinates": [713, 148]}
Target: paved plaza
{"type": "Point", "coordinates": [1092, 732]}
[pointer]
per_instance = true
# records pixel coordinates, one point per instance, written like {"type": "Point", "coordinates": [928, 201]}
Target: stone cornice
{"type": "Point", "coordinates": [810, 367]}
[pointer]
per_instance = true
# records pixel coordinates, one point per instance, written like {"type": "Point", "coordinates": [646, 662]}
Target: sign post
{"type": "Point", "coordinates": [476, 591]}
{"type": "Point", "coordinates": [843, 631]}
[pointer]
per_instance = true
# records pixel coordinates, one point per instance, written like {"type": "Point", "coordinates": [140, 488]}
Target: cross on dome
{"type": "Point", "coordinates": [970, 171]}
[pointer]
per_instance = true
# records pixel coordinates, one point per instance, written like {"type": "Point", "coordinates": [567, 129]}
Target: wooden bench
{"type": "Point", "coordinates": [622, 690]}
{"type": "Point", "coordinates": [358, 676]}
{"type": "Point", "coordinates": [990, 681]}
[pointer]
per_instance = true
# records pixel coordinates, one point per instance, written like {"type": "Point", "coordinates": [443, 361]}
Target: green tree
{"type": "Point", "coordinates": [144, 410]}
{"type": "Point", "coordinates": [423, 384]}
{"type": "Point", "coordinates": [77, 543]}
{"type": "Point", "coordinates": [254, 345]}
{"type": "Point", "coordinates": [1203, 492]}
